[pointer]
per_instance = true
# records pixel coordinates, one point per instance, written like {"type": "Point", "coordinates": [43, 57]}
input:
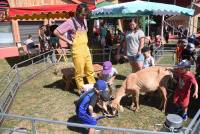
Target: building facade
{"type": "Point", "coordinates": [26, 16]}
{"type": "Point", "coordinates": [19, 22]}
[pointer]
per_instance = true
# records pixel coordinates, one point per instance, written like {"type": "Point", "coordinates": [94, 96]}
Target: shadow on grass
{"type": "Point", "coordinates": [147, 100]}
{"type": "Point", "coordinates": [193, 107]}
{"type": "Point", "coordinates": [120, 77]}
{"type": "Point", "coordinates": [74, 119]}
{"type": "Point", "coordinates": [15, 60]}
{"type": "Point", "coordinates": [59, 84]}
{"type": "Point", "coordinates": [154, 100]}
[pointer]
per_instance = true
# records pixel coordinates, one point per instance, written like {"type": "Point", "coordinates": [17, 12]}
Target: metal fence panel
{"type": "Point", "coordinates": [26, 70]}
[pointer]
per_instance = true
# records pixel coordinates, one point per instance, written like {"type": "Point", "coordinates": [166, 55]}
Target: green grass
{"type": "Point", "coordinates": [45, 97]}
{"type": "Point", "coordinates": [4, 67]}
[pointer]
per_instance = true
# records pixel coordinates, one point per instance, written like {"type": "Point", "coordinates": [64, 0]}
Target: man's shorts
{"type": "Point", "coordinates": [139, 57]}
{"type": "Point", "coordinates": [181, 100]}
{"type": "Point", "coordinates": [87, 119]}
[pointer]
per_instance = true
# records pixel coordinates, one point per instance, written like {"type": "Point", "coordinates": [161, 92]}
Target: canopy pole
{"type": "Point", "coordinates": [148, 23]}
{"type": "Point", "coordinates": [148, 26]}
{"type": "Point", "coordinates": [162, 27]}
{"type": "Point", "coordinates": [190, 28]}
{"type": "Point", "coordinates": [174, 2]}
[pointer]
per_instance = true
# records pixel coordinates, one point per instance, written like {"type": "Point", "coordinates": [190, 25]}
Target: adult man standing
{"type": "Point", "coordinates": [76, 27]}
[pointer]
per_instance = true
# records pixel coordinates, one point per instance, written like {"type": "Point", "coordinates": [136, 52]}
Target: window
{"type": "Point", "coordinates": [6, 35]}
{"type": "Point", "coordinates": [29, 27]}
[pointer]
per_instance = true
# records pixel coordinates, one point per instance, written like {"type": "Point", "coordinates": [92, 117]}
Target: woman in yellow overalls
{"type": "Point", "coordinates": [76, 27]}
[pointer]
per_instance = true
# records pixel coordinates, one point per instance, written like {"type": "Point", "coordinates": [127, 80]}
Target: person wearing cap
{"type": "Point", "coordinates": [76, 27]}
{"type": "Point", "coordinates": [87, 101]}
{"type": "Point", "coordinates": [108, 74]}
{"type": "Point", "coordinates": [185, 80]}
{"type": "Point", "coordinates": [148, 59]}
{"type": "Point", "coordinates": [188, 52]}
{"type": "Point", "coordinates": [134, 39]}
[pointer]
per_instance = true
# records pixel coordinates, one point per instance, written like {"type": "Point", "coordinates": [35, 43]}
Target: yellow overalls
{"type": "Point", "coordinates": [82, 59]}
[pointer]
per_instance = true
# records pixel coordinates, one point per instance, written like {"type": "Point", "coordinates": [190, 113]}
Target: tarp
{"type": "Point", "coordinates": [45, 9]}
{"type": "Point", "coordinates": [137, 8]}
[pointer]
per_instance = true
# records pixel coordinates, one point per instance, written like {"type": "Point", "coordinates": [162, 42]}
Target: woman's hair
{"type": "Point", "coordinates": [179, 41]}
{"type": "Point", "coordinates": [102, 23]}
{"type": "Point", "coordinates": [29, 36]}
{"type": "Point", "coordinates": [136, 20]}
{"type": "Point", "coordinates": [82, 8]}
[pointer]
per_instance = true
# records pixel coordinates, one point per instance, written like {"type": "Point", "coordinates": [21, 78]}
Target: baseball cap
{"type": "Point", "coordinates": [107, 67]}
{"type": "Point", "coordinates": [100, 85]}
{"type": "Point", "coordinates": [184, 64]}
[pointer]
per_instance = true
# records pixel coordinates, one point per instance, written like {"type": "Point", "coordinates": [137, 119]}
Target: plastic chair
{"type": "Point", "coordinates": [63, 54]}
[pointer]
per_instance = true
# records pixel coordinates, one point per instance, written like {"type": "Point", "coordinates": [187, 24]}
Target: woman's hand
{"type": "Point", "coordinates": [70, 42]}
{"type": "Point", "coordinates": [139, 52]}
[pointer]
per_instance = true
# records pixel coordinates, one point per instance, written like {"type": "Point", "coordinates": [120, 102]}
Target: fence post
{"type": "Point", "coordinates": [53, 57]}
{"type": "Point", "coordinates": [103, 53]}
{"type": "Point", "coordinates": [44, 60]}
{"type": "Point", "coordinates": [2, 111]}
{"type": "Point", "coordinates": [33, 127]}
{"type": "Point", "coordinates": [155, 55]}
{"type": "Point", "coordinates": [17, 75]}
{"type": "Point", "coordinates": [110, 53]}
{"type": "Point", "coordinates": [174, 58]}
{"type": "Point", "coordinates": [102, 132]}
{"type": "Point", "coordinates": [91, 55]}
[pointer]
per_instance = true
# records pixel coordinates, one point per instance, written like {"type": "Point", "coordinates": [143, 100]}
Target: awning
{"type": "Point", "coordinates": [104, 3]}
{"type": "Point", "coordinates": [139, 8]}
{"type": "Point", "coordinates": [45, 9]}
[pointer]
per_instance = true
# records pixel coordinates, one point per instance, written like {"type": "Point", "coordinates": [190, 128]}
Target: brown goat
{"type": "Point", "coordinates": [146, 80]}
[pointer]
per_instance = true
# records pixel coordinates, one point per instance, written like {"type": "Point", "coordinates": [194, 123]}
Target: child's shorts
{"type": "Point", "coordinates": [181, 100]}
{"type": "Point", "coordinates": [87, 119]}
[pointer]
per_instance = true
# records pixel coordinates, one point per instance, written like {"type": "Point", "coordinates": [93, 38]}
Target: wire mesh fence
{"type": "Point", "coordinates": [26, 70]}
